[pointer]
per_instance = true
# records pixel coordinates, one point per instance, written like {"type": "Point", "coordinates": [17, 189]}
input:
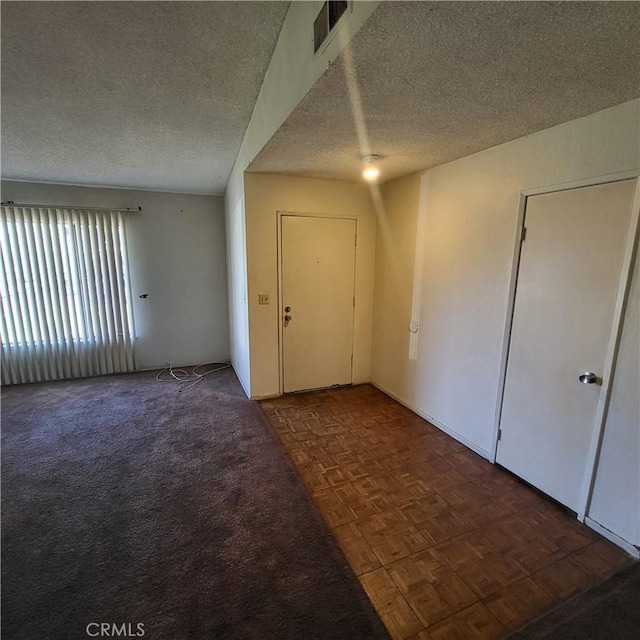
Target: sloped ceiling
{"type": "Point", "coordinates": [423, 83]}
{"type": "Point", "coordinates": [153, 95]}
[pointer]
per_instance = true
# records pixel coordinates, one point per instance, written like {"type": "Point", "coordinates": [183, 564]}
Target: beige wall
{"type": "Point", "coordinates": [470, 214]}
{"type": "Point", "coordinates": [266, 195]}
{"type": "Point", "coordinates": [395, 257]}
{"type": "Point", "coordinates": [177, 256]}
{"type": "Point", "coordinates": [293, 70]}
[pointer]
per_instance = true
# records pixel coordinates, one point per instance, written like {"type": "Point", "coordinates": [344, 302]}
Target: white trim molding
{"type": "Point", "coordinates": [631, 549]}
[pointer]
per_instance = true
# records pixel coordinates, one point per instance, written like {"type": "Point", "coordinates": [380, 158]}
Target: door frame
{"type": "Point", "coordinates": [279, 216]}
{"type": "Point", "coordinates": [622, 294]}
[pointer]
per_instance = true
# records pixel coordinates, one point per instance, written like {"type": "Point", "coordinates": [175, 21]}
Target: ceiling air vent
{"type": "Point", "coordinates": [331, 12]}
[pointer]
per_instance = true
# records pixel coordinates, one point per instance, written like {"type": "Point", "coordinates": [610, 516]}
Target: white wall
{"type": "Point", "coordinates": [266, 195]}
{"type": "Point", "coordinates": [177, 256]}
{"type": "Point", "coordinates": [616, 497]}
{"type": "Point", "coordinates": [237, 279]}
{"type": "Point", "coordinates": [293, 70]}
{"type": "Point", "coordinates": [471, 209]}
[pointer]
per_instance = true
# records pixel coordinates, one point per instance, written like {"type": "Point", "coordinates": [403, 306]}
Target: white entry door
{"type": "Point", "coordinates": [570, 266]}
{"type": "Point", "coordinates": [318, 269]}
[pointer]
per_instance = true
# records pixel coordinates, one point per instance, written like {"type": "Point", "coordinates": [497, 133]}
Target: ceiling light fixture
{"type": "Point", "coordinates": [370, 171]}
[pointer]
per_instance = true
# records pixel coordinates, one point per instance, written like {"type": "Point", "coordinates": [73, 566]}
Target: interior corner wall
{"type": "Point", "coordinates": [471, 210]}
{"type": "Point", "coordinates": [176, 249]}
{"type": "Point", "coordinates": [293, 70]}
{"type": "Point", "coordinates": [391, 369]}
{"type": "Point", "coordinates": [237, 280]}
{"type": "Point", "coordinates": [266, 195]}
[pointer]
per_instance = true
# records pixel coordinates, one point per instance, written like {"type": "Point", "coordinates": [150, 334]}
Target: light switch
{"type": "Point", "coordinates": [263, 298]}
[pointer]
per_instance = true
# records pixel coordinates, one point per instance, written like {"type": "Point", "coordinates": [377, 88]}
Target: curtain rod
{"type": "Point", "coordinates": [11, 203]}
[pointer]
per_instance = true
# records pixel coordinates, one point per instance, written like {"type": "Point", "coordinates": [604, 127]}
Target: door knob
{"type": "Point", "coordinates": [588, 377]}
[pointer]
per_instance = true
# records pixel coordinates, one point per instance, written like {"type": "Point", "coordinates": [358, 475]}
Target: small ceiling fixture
{"type": "Point", "coordinates": [370, 171]}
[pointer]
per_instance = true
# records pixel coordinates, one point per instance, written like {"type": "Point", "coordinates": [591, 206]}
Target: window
{"type": "Point", "coordinates": [66, 308]}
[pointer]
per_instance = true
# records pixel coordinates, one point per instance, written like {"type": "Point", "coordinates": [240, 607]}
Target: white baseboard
{"type": "Point", "coordinates": [267, 396]}
{"type": "Point", "coordinates": [436, 423]}
{"type": "Point", "coordinates": [631, 549]}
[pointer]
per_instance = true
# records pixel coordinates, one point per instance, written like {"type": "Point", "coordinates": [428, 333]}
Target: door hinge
{"type": "Point", "coordinates": [354, 302]}
{"type": "Point", "coordinates": [524, 234]}
{"type": "Point", "coordinates": [356, 239]}
{"type": "Point", "coordinates": [499, 434]}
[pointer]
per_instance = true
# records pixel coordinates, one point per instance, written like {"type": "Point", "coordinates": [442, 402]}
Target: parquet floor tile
{"type": "Point", "coordinates": [522, 600]}
{"type": "Point", "coordinates": [479, 623]}
{"type": "Point", "coordinates": [564, 579]}
{"type": "Point", "coordinates": [393, 609]}
{"type": "Point", "coordinates": [446, 545]}
{"type": "Point", "coordinates": [601, 558]}
{"type": "Point", "coordinates": [357, 550]}
{"type": "Point", "coordinates": [396, 542]}
{"type": "Point", "coordinates": [429, 605]}
{"type": "Point", "coordinates": [446, 526]}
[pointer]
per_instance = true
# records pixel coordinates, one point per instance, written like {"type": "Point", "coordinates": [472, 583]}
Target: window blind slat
{"type": "Point", "coordinates": [64, 270]}
{"type": "Point", "coordinates": [105, 290]}
{"type": "Point", "coordinates": [128, 326]}
{"type": "Point", "coordinates": [56, 329]}
{"type": "Point", "coordinates": [42, 297]}
{"type": "Point", "coordinates": [113, 297]}
{"type": "Point", "coordinates": [119, 318]}
{"type": "Point", "coordinates": [22, 315]}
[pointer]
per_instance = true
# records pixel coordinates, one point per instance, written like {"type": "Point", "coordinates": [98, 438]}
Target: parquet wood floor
{"type": "Point", "coordinates": [446, 545]}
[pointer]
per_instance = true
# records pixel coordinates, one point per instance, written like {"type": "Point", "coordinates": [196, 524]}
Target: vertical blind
{"type": "Point", "coordinates": [66, 302]}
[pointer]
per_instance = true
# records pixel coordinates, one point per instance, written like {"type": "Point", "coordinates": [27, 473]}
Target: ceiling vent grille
{"type": "Point", "coordinates": [329, 15]}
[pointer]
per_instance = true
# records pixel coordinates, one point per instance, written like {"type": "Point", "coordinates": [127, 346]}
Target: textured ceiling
{"type": "Point", "coordinates": [153, 95]}
{"type": "Point", "coordinates": [430, 82]}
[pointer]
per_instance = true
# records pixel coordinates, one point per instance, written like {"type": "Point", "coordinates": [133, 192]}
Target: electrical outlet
{"type": "Point", "coordinates": [263, 298]}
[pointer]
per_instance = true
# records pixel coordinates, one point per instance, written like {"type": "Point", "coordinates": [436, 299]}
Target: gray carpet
{"type": "Point", "coordinates": [126, 502]}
